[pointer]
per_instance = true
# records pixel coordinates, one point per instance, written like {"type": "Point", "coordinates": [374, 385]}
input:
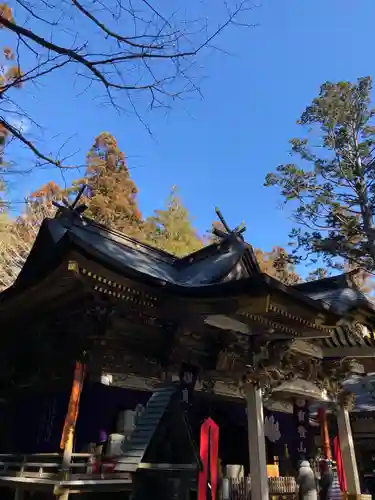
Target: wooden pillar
{"type": "Point", "coordinates": [68, 450]}
{"type": "Point", "coordinates": [326, 475]}
{"type": "Point", "coordinates": [347, 451]}
{"type": "Point", "coordinates": [257, 444]}
{"type": "Point", "coordinates": [67, 438]}
{"type": "Point", "coordinates": [324, 433]}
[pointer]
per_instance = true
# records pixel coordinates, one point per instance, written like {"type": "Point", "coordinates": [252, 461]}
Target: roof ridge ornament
{"type": "Point", "coordinates": [250, 260]}
{"type": "Point", "coordinates": [75, 209]}
{"type": "Point", "coordinates": [239, 230]}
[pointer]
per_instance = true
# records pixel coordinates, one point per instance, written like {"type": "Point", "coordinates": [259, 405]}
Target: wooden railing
{"type": "Point", "coordinates": [279, 488]}
{"type": "Point", "coordinates": [46, 472]}
{"type": "Point", "coordinates": [43, 464]}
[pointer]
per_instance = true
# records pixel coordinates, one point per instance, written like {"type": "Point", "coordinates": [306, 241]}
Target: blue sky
{"type": "Point", "coordinates": [218, 149]}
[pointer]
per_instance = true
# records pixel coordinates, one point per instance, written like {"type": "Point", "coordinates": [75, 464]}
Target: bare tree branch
{"type": "Point", "coordinates": [153, 58]}
{"type": "Point", "coordinates": [21, 137]}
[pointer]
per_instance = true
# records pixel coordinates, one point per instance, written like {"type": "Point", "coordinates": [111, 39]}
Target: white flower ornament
{"type": "Point", "coordinates": [271, 429]}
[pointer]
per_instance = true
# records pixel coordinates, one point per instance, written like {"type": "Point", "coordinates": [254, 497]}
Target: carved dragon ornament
{"type": "Point", "coordinates": [273, 362]}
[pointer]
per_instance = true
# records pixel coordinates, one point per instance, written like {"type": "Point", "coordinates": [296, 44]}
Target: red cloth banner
{"type": "Point", "coordinates": [203, 475]}
{"type": "Point", "coordinates": [340, 464]}
{"type": "Point", "coordinates": [209, 454]}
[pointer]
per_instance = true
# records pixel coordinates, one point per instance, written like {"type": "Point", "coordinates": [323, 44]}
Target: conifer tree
{"type": "Point", "coordinates": [278, 264]}
{"type": "Point", "coordinates": [332, 186]}
{"type": "Point", "coordinates": [111, 193]}
{"type": "Point", "coordinates": [318, 274]}
{"type": "Point", "coordinates": [171, 228]}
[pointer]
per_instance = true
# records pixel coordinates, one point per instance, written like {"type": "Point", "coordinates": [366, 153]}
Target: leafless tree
{"type": "Point", "coordinates": [129, 48]}
{"type": "Point", "coordinates": [17, 238]}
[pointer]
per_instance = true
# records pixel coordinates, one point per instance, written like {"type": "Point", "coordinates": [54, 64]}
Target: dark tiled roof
{"type": "Point", "coordinates": [343, 297]}
{"type": "Point", "coordinates": [346, 337]}
{"type": "Point", "coordinates": [230, 260]}
{"type": "Point", "coordinates": [220, 270]}
{"type": "Point", "coordinates": [337, 291]}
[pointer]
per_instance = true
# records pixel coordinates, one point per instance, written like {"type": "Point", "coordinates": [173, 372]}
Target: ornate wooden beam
{"type": "Point", "coordinates": [305, 348]}
{"type": "Point", "coordinates": [349, 352]}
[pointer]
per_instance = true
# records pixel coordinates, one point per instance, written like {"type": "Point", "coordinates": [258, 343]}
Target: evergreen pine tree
{"type": "Point", "coordinates": [332, 186]}
{"type": "Point", "coordinates": [171, 229]}
{"type": "Point", "coordinates": [111, 193]}
{"type": "Point", "coordinates": [279, 265]}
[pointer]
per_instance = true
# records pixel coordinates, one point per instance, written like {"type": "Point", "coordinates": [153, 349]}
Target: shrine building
{"type": "Point", "coordinates": [180, 367]}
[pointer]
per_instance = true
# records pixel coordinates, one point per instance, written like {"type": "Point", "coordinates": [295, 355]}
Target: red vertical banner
{"type": "Point", "coordinates": [209, 454]}
{"type": "Point", "coordinates": [214, 457]}
{"type": "Point", "coordinates": [75, 395]}
{"type": "Point", "coordinates": [340, 465]}
{"type": "Point", "coordinates": [204, 451]}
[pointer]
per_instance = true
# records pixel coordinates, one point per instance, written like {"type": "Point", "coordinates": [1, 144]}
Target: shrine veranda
{"type": "Point", "coordinates": [180, 341]}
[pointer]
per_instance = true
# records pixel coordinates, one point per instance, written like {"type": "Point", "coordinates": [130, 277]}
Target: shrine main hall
{"type": "Point", "coordinates": [171, 369]}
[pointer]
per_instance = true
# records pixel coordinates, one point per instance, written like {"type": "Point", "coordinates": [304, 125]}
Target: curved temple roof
{"type": "Point", "coordinates": [337, 291]}
{"type": "Point", "coordinates": [224, 268]}
{"type": "Point", "coordinates": [219, 270]}
{"type": "Point", "coordinates": [209, 265]}
{"type": "Point", "coordinates": [344, 298]}
{"type": "Point", "coordinates": [227, 267]}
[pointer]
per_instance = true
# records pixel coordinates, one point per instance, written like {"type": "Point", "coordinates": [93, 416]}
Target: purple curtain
{"type": "Point", "coordinates": [37, 419]}
{"type": "Point", "coordinates": [99, 408]}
